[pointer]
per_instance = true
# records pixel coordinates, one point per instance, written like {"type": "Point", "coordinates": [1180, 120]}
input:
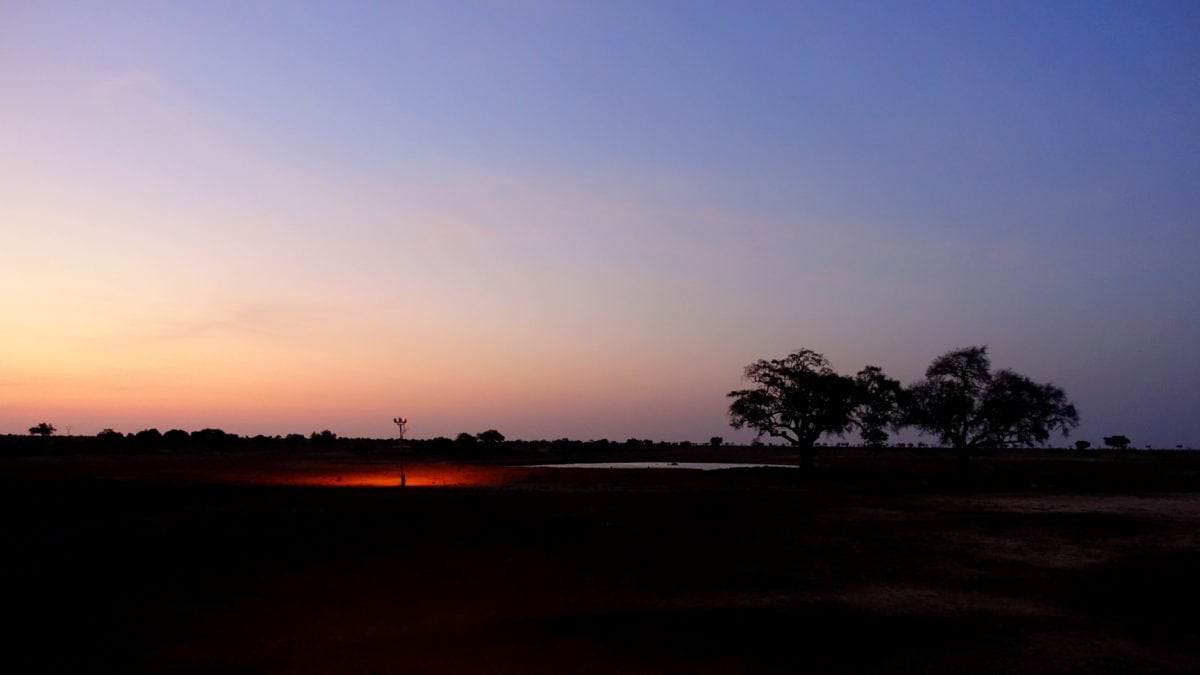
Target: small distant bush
{"type": "Point", "coordinates": [439, 443]}
{"type": "Point", "coordinates": [176, 439]}
{"type": "Point", "coordinates": [149, 436]}
{"type": "Point", "coordinates": [1117, 442]}
{"type": "Point", "coordinates": [109, 438]}
{"type": "Point", "coordinates": [490, 436]}
{"type": "Point", "coordinates": [42, 429]}
{"type": "Point", "coordinates": [1082, 445]}
{"type": "Point", "coordinates": [325, 436]}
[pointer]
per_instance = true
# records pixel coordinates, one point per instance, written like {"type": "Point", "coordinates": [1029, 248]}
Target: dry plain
{"type": "Point", "coordinates": [875, 562]}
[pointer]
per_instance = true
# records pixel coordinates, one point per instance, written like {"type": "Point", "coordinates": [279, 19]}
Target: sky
{"type": "Point", "coordinates": [585, 219]}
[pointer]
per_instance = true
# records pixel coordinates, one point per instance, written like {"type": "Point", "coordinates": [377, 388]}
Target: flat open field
{"type": "Point", "coordinates": [877, 564]}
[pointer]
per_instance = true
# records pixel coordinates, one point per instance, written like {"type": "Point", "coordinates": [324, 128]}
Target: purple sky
{"type": "Point", "coordinates": [570, 219]}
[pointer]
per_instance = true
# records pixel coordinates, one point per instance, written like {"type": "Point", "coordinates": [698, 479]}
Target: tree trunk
{"type": "Point", "coordinates": [806, 440]}
{"type": "Point", "coordinates": [807, 455]}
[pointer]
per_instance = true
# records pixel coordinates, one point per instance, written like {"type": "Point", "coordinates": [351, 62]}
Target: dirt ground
{"type": "Point", "coordinates": [232, 565]}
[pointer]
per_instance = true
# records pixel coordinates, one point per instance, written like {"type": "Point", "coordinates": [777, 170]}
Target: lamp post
{"type": "Point", "coordinates": [401, 426]}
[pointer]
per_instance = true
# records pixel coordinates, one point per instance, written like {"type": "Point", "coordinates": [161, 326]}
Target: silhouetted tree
{"type": "Point", "coordinates": [109, 438]}
{"type": "Point", "coordinates": [42, 429]}
{"type": "Point", "coordinates": [490, 437]}
{"type": "Point", "coordinates": [716, 441]}
{"type": "Point", "coordinates": [969, 407]}
{"type": "Point", "coordinates": [213, 439]}
{"type": "Point", "coordinates": [439, 443]}
{"type": "Point", "coordinates": [1117, 442]}
{"type": "Point", "coordinates": [880, 406]}
{"type": "Point", "coordinates": [464, 439]}
{"type": "Point", "coordinates": [796, 398]}
{"type": "Point", "coordinates": [325, 437]}
{"type": "Point", "coordinates": [176, 439]}
{"type": "Point", "coordinates": [1082, 445]}
{"type": "Point", "coordinates": [148, 436]}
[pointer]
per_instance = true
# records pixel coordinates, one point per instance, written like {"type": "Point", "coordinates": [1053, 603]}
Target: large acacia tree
{"type": "Point", "coordinates": [969, 407]}
{"type": "Point", "coordinates": [797, 398]}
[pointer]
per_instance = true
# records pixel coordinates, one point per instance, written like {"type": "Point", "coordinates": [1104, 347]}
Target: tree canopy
{"type": "Point", "coordinates": [491, 436]}
{"type": "Point", "coordinates": [42, 429]}
{"type": "Point", "coordinates": [962, 401]}
{"type": "Point", "coordinates": [797, 398]}
{"type": "Point", "coordinates": [1120, 442]}
{"type": "Point", "coordinates": [880, 405]}
{"type": "Point", "coordinates": [967, 406]}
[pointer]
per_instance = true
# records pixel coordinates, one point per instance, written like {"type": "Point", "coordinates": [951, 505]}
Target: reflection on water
{"type": "Point", "coordinates": [701, 466]}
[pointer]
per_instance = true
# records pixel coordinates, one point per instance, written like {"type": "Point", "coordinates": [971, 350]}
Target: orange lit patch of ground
{"type": "Point", "coordinates": [265, 471]}
{"type": "Point", "coordinates": [350, 475]}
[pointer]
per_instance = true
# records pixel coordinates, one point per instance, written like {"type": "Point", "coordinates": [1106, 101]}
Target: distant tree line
{"type": "Point", "coordinates": [797, 399]}
{"type": "Point", "coordinates": [178, 440]}
{"type": "Point", "coordinates": [487, 443]}
{"type": "Point", "coordinates": [490, 443]}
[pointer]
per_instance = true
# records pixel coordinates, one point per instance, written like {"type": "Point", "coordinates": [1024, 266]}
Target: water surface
{"type": "Point", "coordinates": [698, 466]}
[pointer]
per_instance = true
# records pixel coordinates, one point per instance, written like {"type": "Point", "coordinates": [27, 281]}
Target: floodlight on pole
{"type": "Point", "coordinates": [401, 427]}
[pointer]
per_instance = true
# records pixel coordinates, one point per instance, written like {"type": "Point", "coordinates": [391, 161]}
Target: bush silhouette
{"type": "Point", "coordinates": [490, 437]}
{"type": "Point", "coordinates": [42, 429]}
{"type": "Point", "coordinates": [325, 437]}
{"type": "Point", "coordinates": [1117, 442]}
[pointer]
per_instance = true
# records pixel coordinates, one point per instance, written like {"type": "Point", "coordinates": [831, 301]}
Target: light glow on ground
{"type": "Point", "coordinates": [349, 475]}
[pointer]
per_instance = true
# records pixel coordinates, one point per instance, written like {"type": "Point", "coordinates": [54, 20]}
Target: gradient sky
{"type": "Point", "coordinates": [584, 219]}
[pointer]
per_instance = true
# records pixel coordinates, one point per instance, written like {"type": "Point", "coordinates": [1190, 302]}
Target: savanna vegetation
{"type": "Point", "coordinates": [797, 401]}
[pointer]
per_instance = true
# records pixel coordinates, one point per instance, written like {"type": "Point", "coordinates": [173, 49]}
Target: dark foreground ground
{"type": "Point", "coordinates": [873, 565]}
